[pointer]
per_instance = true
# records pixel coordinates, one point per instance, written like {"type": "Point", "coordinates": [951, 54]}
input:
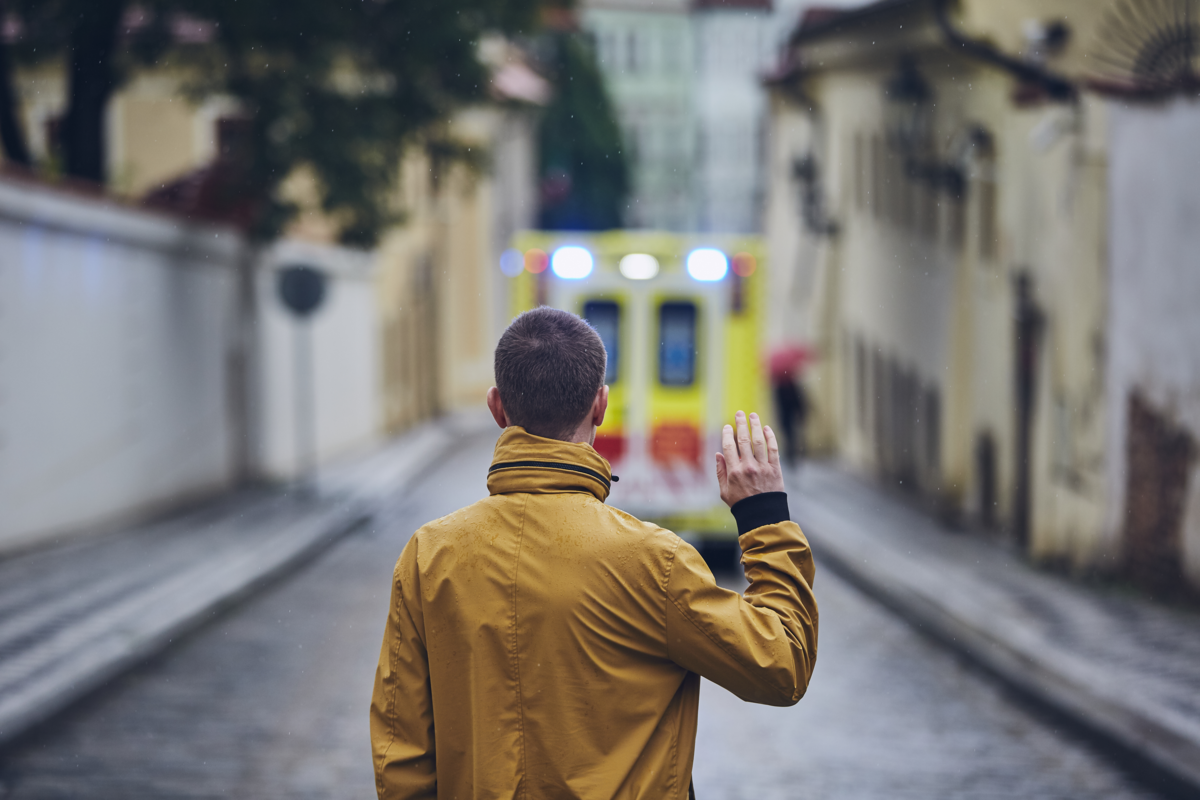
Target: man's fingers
{"type": "Point", "coordinates": [772, 446]}
{"type": "Point", "coordinates": [722, 473]}
{"type": "Point", "coordinates": [729, 446]}
{"type": "Point", "coordinates": [743, 435]}
{"type": "Point", "coordinates": [757, 441]}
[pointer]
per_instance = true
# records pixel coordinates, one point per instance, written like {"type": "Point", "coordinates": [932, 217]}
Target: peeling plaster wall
{"type": "Point", "coordinates": [1154, 320]}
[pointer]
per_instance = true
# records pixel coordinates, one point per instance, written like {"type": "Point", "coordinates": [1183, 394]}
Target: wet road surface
{"type": "Point", "coordinates": [270, 701]}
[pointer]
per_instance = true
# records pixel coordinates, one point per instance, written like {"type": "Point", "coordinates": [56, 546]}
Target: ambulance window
{"type": "Point", "coordinates": [677, 344]}
{"type": "Point", "coordinates": [605, 317]}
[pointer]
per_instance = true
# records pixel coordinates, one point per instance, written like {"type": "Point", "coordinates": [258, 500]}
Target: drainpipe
{"type": "Point", "coordinates": [1056, 86]}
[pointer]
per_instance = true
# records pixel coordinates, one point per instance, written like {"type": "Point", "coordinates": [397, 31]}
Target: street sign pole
{"type": "Point", "coordinates": [305, 407]}
{"type": "Point", "coordinates": [302, 290]}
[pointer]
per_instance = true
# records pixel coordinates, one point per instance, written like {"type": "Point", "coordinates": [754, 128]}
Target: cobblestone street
{"type": "Point", "coordinates": [270, 701]}
{"type": "Point", "coordinates": [889, 715]}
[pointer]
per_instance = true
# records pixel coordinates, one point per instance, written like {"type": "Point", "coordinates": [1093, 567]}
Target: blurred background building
{"type": "Point", "coordinates": [963, 235]}
{"type": "Point", "coordinates": [645, 50]}
{"type": "Point", "coordinates": [961, 218]}
{"type": "Point", "coordinates": [979, 215]}
{"type": "Point", "coordinates": [734, 47]}
{"type": "Point", "coordinates": [684, 77]}
{"type": "Point", "coordinates": [157, 363]}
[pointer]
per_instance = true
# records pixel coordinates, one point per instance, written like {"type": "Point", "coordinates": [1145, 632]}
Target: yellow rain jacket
{"type": "Point", "coordinates": [541, 644]}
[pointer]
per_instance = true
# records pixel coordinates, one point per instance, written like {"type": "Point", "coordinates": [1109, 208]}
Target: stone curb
{"type": "Point", "coordinates": [183, 605]}
{"type": "Point", "coordinates": [120, 639]}
{"type": "Point", "coordinates": [1163, 749]}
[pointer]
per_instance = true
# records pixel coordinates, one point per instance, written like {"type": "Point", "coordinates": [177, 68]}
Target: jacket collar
{"type": "Point", "coordinates": [527, 463]}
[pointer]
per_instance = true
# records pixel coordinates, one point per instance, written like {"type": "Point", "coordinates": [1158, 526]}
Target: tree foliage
{"type": "Point", "coordinates": [341, 86]}
{"type": "Point", "coordinates": [584, 174]}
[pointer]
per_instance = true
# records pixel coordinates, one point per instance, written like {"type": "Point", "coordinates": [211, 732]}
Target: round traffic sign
{"type": "Point", "coordinates": [302, 289]}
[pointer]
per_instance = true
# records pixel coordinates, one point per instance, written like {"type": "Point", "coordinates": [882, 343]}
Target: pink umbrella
{"type": "Point", "coordinates": [787, 361]}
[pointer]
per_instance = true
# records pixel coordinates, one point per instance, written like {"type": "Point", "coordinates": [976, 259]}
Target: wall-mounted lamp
{"type": "Point", "coordinates": [806, 172]}
{"type": "Point", "coordinates": [908, 126]}
{"type": "Point", "coordinates": [907, 109]}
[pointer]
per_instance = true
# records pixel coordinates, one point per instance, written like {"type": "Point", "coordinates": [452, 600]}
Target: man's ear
{"type": "Point", "coordinates": [599, 406]}
{"type": "Point", "coordinates": [495, 405]}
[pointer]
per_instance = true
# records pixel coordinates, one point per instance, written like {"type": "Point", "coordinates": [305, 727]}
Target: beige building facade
{"type": "Point", "coordinates": [443, 299]}
{"type": "Point", "coordinates": [938, 217]}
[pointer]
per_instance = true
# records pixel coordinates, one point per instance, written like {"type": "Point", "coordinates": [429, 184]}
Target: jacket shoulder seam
{"type": "Point", "coordinates": [674, 778]}
{"type": "Point", "coordinates": [725, 649]}
{"type": "Point", "coordinates": [667, 592]}
{"type": "Point", "coordinates": [392, 716]}
{"type": "Point", "coordinates": [720, 644]}
{"type": "Point", "coordinates": [402, 607]}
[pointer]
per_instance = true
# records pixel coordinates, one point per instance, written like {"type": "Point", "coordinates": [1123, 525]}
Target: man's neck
{"type": "Point", "coordinates": [584, 434]}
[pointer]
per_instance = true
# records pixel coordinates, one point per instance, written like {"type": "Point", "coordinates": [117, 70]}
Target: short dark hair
{"type": "Point", "coordinates": [549, 366]}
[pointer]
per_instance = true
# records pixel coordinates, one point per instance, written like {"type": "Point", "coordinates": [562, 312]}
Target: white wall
{"type": "Point", "coordinates": [114, 351]}
{"type": "Point", "coordinates": [117, 344]}
{"type": "Point", "coordinates": [1154, 321]}
{"type": "Point", "coordinates": [346, 358]}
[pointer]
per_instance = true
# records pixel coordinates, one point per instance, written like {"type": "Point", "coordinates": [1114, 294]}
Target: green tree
{"type": "Point", "coordinates": [584, 175]}
{"type": "Point", "coordinates": [342, 86]}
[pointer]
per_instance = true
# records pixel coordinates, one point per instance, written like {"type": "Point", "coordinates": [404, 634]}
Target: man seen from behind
{"type": "Point", "coordinates": [541, 644]}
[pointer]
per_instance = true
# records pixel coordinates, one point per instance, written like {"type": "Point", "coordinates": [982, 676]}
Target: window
{"type": "Point", "coordinates": [677, 344]}
{"type": "Point", "coordinates": [632, 141]}
{"type": "Point", "coordinates": [987, 219]}
{"type": "Point", "coordinates": [53, 129]}
{"type": "Point", "coordinates": [907, 196]}
{"type": "Point", "coordinates": [672, 53]}
{"type": "Point", "coordinates": [928, 208]}
{"type": "Point", "coordinates": [860, 382]}
{"type": "Point", "coordinates": [605, 317]}
{"type": "Point", "coordinates": [860, 170]}
{"type": "Point", "coordinates": [877, 177]}
{"type": "Point", "coordinates": [954, 224]}
{"type": "Point", "coordinates": [933, 433]}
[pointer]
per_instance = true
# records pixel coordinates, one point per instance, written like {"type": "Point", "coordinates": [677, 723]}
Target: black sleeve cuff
{"type": "Point", "coordinates": [768, 508]}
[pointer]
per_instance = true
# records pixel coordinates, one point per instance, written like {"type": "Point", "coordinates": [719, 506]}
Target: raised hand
{"type": "Point", "coordinates": [749, 461]}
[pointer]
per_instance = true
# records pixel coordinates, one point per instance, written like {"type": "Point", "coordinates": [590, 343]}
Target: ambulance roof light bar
{"type": "Point", "coordinates": [639, 266]}
{"type": "Point", "coordinates": [707, 264]}
{"type": "Point", "coordinates": [571, 262]}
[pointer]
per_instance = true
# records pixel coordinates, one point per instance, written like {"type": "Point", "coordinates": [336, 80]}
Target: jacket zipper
{"type": "Point", "coordinates": [582, 470]}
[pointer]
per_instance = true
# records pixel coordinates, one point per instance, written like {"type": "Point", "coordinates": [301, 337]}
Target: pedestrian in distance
{"type": "Point", "coordinates": [792, 405]}
{"type": "Point", "coordinates": [785, 365]}
{"type": "Point", "coordinates": [542, 644]}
